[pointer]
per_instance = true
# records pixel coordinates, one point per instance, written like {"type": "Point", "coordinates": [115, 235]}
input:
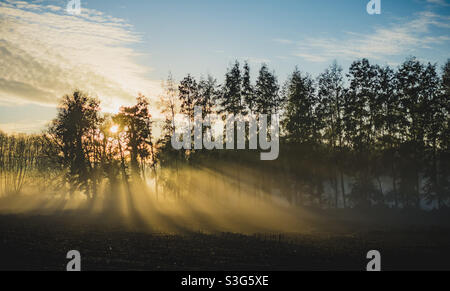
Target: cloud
{"type": "Point", "coordinates": [28, 126]}
{"type": "Point", "coordinates": [45, 53]}
{"type": "Point", "coordinates": [311, 57]}
{"type": "Point", "coordinates": [438, 2]}
{"type": "Point", "coordinates": [257, 60]}
{"type": "Point", "coordinates": [283, 41]}
{"type": "Point", "coordinates": [397, 39]}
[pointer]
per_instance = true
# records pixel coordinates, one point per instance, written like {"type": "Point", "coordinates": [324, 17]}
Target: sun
{"type": "Point", "coordinates": [114, 129]}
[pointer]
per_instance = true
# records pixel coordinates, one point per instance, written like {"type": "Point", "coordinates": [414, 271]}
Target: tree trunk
{"type": "Point", "coordinates": [344, 198]}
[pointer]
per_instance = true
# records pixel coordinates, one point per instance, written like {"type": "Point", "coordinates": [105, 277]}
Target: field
{"type": "Point", "coordinates": [37, 242]}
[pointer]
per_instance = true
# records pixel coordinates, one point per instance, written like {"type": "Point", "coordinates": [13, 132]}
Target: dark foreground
{"type": "Point", "coordinates": [41, 243]}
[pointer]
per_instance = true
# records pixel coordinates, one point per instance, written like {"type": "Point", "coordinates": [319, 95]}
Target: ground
{"type": "Point", "coordinates": [40, 242]}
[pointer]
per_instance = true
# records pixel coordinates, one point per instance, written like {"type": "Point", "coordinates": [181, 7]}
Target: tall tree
{"type": "Point", "coordinates": [188, 95]}
{"type": "Point", "coordinates": [208, 94]}
{"type": "Point", "coordinates": [168, 102]}
{"type": "Point", "coordinates": [414, 104]}
{"type": "Point", "coordinates": [389, 123]}
{"type": "Point", "coordinates": [248, 93]}
{"type": "Point", "coordinates": [267, 97]}
{"type": "Point", "coordinates": [299, 120]}
{"type": "Point", "coordinates": [137, 125]}
{"type": "Point", "coordinates": [301, 128]}
{"type": "Point", "coordinates": [359, 106]}
{"type": "Point", "coordinates": [231, 99]}
{"type": "Point", "coordinates": [444, 138]}
{"type": "Point", "coordinates": [435, 117]}
{"type": "Point", "coordinates": [77, 116]}
{"type": "Point", "coordinates": [331, 92]}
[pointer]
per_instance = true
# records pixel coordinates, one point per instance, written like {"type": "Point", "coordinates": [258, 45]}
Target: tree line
{"type": "Point", "coordinates": [375, 136]}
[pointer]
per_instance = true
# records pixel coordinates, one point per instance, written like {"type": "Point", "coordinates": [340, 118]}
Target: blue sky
{"type": "Point", "coordinates": [116, 48]}
{"type": "Point", "coordinates": [204, 35]}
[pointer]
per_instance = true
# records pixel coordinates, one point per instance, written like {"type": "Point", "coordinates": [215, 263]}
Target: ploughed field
{"type": "Point", "coordinates": [38, 242]}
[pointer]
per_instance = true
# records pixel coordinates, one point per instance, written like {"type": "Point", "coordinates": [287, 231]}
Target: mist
{"type": "Point", "coordinates": [208, 202]}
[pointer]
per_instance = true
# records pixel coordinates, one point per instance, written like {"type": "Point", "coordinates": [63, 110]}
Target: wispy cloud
{"type": "Point", "coordinates": [438, 2]}
{"type": "Point", "coordinates": [257, 61]}
{"type": "Point", "coordinates": [24, 126]}
{"type": "Point", "coordinates": [283, 41]}
{"type": "Point", "coordinates": [396, 39]}
{"type": "Point", "coordinates": [45, 53]}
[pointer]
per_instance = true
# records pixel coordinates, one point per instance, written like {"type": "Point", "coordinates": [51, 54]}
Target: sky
{"type": "Point", "coordinates": [117, 48]}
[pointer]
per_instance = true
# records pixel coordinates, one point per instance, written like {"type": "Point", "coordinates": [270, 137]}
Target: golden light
{"type": "Point", "coordinates": [114, 129]}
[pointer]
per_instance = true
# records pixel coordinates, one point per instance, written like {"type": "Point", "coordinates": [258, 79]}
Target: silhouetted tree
{"type": "Point", "coordinates": [359, 125]}
{"type": "Point", "coordinates": [434, 119]}
{"type": "Point", "coordinates": [413, 102]}
{"type": "Point", "coordinates": [208, 93]}
{"type": "Point", "coordinates": [248, 92]}
{"type": "Point", "coordinates": [188, 95]}
{"type": "Point", "coordinates": [267, 98]}
{"type": "Point", "coordinates": [230, 100]}
{"type": "Point", "coordinates": [301, 129]}
{"type": "Point", "coordinates": [137, 124]}
{"type": "Point", "coordinates": [331, 92]}
{"type": "Point", "coordinates": [299, 120]}
{"type": "Point", "coordinates": [71, 130]}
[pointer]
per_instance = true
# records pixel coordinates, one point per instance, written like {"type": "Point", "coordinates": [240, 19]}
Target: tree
{"type": "Point", "coordinates": [299, 120]}
{"type": "Point", "coordinates": [331, 93]}
{"type": "Point", "coordinates": [137, 124]}
{"type": "Point", "coordinates": [267, 98]}
{"type": "Point", "coordinates": [360, 108]}
{"type": "Point", "coordinates": [389, 123]}
{"type": "Point", "coordinates": [71, 130]}
{"type": "Point", "coordinates": [301, 131]}
{"type": "Point", "coordinates": [188, 95]}
{"type": "Point", "coordinates": [444, 140]}
{"type": "Point", "coordinates": [248, 93]}
{"type": "Point", "coordinates": [230, 100]}
{"type": "Point", "coordinates": [207, 93]}
{"type": "Point", "coordinates": [434, 122]}
{"type": "Point", "coordinates": [413, 102]}
{"type": "Point", "coordinates": [168, 102]}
